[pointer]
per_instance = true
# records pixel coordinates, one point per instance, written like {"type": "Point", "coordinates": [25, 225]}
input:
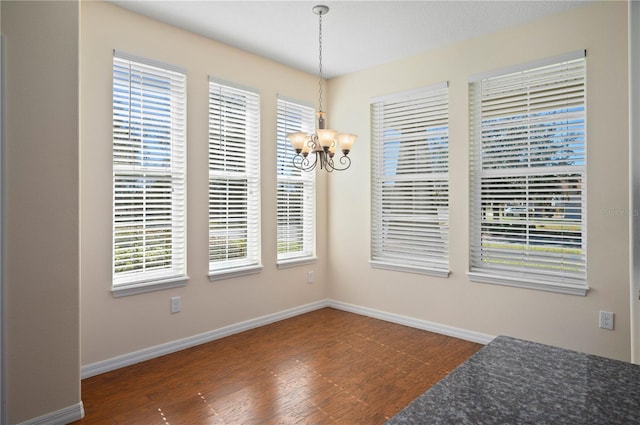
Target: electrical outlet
{"type": "Point", "coordinates": [175, 305]}
{"type": "Point", "coordinates": [606, 320]}
{"type": "Point", "coordinates": [310, 277]}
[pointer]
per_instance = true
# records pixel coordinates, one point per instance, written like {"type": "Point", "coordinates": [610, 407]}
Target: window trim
{"type": "Point", "coordinates": [529, 283]}
{"type": "Point", "coordinates": [525, 279]}
{"type": "Point", "coordinates": [293, 262]}
{"type": "Point", "coordinates": [309, 257]}
{"type": "Point", "coordinates": [141, 287]}
{"type": "Point", "coordinates": [230, 273]}
{"type": "Point", "coordinates": [409, 269]}
{"type": "Point", "coordinates": [384, 262]}
{"type": "Point", "coordinates": [235, 268]}
{"type": "Point", "coordinates": [176, 275]}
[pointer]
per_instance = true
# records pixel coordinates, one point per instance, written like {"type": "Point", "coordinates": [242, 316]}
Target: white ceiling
{"type": "Point", "coordinates": [356, 34]}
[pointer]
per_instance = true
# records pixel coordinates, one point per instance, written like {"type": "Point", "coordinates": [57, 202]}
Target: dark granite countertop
{"type": "Point", "coordinates": [511, 381]}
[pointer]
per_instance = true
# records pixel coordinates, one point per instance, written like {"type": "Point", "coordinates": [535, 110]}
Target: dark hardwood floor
{"type": "Point", "coordinates": [323, 367]}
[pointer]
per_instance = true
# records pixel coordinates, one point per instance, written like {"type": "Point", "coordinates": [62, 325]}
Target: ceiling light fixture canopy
{"type": "Point", "coordinates": [324, 142]}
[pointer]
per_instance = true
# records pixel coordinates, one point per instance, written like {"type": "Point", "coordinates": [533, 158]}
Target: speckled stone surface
{"type": "Point", "coordinates": [511, 381]}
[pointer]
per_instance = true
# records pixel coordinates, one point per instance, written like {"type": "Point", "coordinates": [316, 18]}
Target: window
{"type": "Point", "coordinates": [410, 181]}
{"type": "Point", "coordinates": [234, 181]}
{"type": "Point", "coordinates": [148, 175]}
{"type": "Point", "coordinates": [296, 189]}
{"type": "Point", "coordinates": [528, 138]}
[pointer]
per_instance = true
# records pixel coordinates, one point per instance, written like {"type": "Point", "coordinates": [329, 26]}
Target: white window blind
{"type": "Point", "coordinates": [528, 141]}
{"type": "Point", "coordinates": [410, 181]}
{"type": "Point", "coordinates": [295, 188]}
{"type": "Point", "coordinates": [234, 180]}
{"type": "Point", "coordinates": [148, 174]}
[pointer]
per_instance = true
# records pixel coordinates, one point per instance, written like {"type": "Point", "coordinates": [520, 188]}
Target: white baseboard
{"type": "Point", "coordinates": [180, 344]}
{"type": "Point", "coordinates": [171, 347]}
{"type": "Point", "coordinates": [59, 417]}
{"type": "Point", "coordinates": [426, 325]}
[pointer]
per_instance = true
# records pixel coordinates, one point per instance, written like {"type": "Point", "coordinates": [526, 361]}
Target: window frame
{"type": "Point", "coordinates": [301, 118]}
{"type": "Point", "coordinates": [228, 132]}
{"type": "Point", "coordinates": [155, 104]}
{"type": "Point", "coordinates": [424, 178]}
{"type": "Point", "coordinates": [540, 181]}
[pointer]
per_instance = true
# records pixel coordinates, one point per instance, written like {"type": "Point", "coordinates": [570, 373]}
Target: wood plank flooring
{"type": "Point", "coordinates": [324, 367]}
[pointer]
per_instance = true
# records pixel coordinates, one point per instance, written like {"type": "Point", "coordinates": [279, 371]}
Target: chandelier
{"type": "Point", "coordinates": [319, 148]}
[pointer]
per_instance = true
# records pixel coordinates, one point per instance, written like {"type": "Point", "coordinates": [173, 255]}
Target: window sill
{"type": "Point", "coordinates": [284, 264]}
{"type": "Point", "coordinates": [149, 286]}
{"type": "Point", "coordinates": [235, 272]}
{"type": "Point", "coordinates": [410, 269]}
{"type": "Point", "coordinates": [540, 285]}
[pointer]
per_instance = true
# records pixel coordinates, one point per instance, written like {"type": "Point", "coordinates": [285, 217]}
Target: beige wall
{"type": "Point", "coordinates": [563, 320]}
{"type": "Point", "coordinates": [42, 214]}
{"type": "Point", "coordinates": [116, 326]}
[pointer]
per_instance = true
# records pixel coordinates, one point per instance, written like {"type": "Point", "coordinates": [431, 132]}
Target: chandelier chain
{"type": "Point", "coordinates": [320, 60]}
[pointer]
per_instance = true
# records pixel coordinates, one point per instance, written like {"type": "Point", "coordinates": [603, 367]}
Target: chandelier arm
{"type": "Point", "coordinates": [303, 163]}
{"type": "Point", "coordinates": [321, 158]}
{"type": "Point", "coordinates": [313, 142]}
{"type": "Point", "coordinates": [343, 160]}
